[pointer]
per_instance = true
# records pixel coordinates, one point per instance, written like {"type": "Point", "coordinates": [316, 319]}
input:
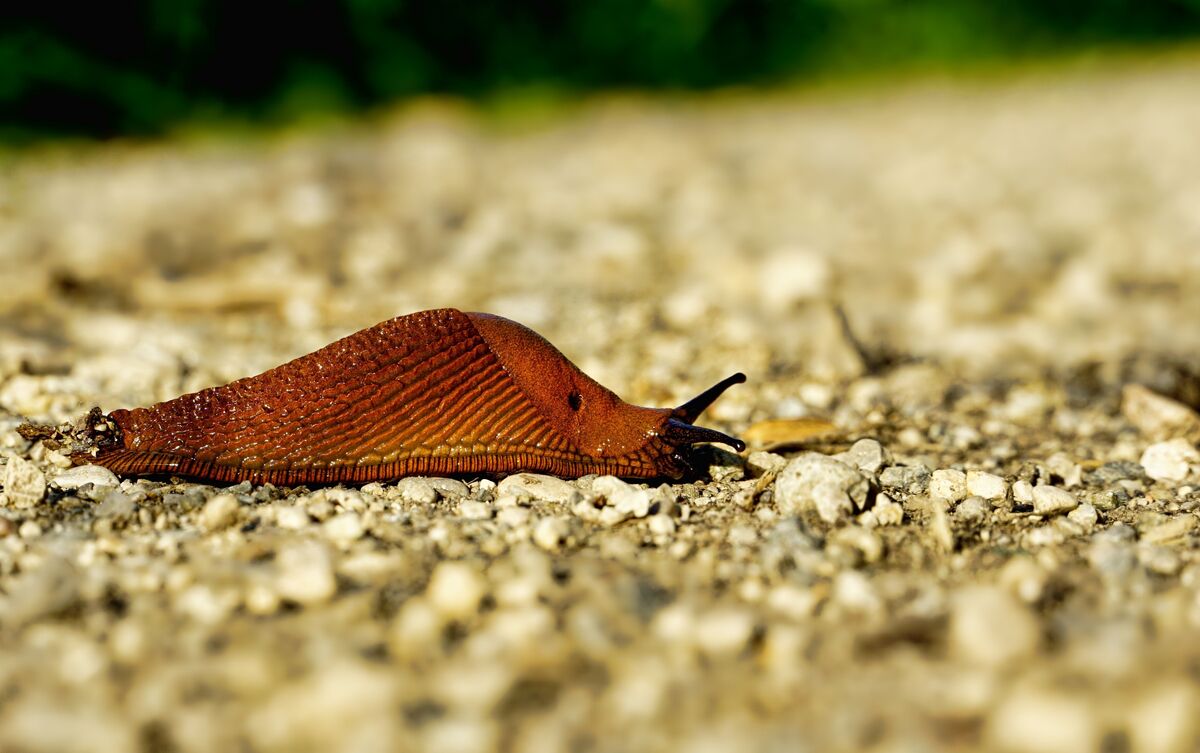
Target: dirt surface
{"type": "Point", "coordinates": [968, 518]}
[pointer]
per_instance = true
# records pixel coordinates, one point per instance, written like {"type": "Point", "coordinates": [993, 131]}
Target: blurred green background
{"type": "Point", "coordinates": [137, 68]}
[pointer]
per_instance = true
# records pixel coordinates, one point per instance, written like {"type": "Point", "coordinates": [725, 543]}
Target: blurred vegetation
{"type": "Point", "coordinates": [105, 69]}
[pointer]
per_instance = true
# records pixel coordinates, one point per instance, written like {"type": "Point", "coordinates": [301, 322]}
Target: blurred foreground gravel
{"type": "Point", "coordinates": [968, 520]}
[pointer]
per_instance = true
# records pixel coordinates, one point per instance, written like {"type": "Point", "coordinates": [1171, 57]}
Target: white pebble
{"type": "Point", "coordinates": [1050, 500]}
{"type": "Point", "coordinates": [631, 501]}
{"type": "Point", "coordinates": [1085, 516]}
{"type": "Point", "coordinates": [76, 477]}
{"type": "Point", "coordinates": [1170, 460]}
{"type": "Point", "coordinates": [417, 491]}
{"type": "Point", "coordinates": [219, 512]}
{"type": "Point", "coordinates": [986, 485]}
{"type": "Point", "coordinates": [344, 528]}
{"type": "Point", "coordinates": [535, 487]}
{"type": "Point", "coordinates": [551, 533]}
{"type": "Point", "coordinates": [455, 590]}
{"type": "Point", "coordinates": [24, 484]}
{"type": "Point", "coordinates": [814, 481]}
{"type": "Point", "coordinates": [724, 631]}
{"type": "Point", "coordinates": [948, 484]}
{"type": "Point", "coordinates": [473, 509]}
{"type": "Point", "coordinates": [305, 573]}
{"type": "Point", "coordinates": [1044, 721]}
{"type": "Point", "coordinates": [1022, 492]}
{"type": "Point", "coordinates": [989, 627]}
{"type": "Point", "coordinates": [291, 517]}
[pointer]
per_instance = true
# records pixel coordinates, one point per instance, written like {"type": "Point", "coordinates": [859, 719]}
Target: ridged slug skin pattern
{"type": "Point", "coordinates": [433, 393]}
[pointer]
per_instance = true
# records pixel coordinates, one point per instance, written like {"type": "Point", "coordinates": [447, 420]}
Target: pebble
{"type": "Point", "coordinates": [626, 499]}
{"type": "Point", "coordinates": [723, 631]}
{"type": "Point", "coordinates": [24, 484]}
{"type": "Point", "coordinates": [116, 505]}
{"type": "Point", "coordinates": [455, 590]}
{"type": "Point", "coordinates": [219, 512]}
{"type": "Point", "coordinates": [551, 533]}
{"type": "Point", "coordinates": [1085, 516]}
{"type": "Point", "coordinates": [1050, 500]}
{"type": "Point", "coordinates": [1031, 720]}
{"type": "Point", "coordinates": [1173, 530]}
{"type": "Point", "coordinates": [536, 487]}
{"type": "Point", "coordinates": [1022, 492]}
{"type": "Point", "coordinates": [986, 485]}
{"type": "Point", "coordinates": [948, 484]}
{"type": "Point", "coordinates": [292, 517]}
{"type": "Point", "coordinates": [85, 474]}
{"type": "Point", "coordinates": [473, 509]}
{"type": "Point", "coordinates": [1170, 460]}
{"type": "Point", "coordinates": [761, 463]}
{"type": "Point", "coordinates": [815, 481]}
{"type": "Point", "coordinates": [344, 528]}
{"type": "Point", "coordinates": [885, 512]}
{"type": "Point", "coordinates": [908, 479]}
{"type": "Point", "coordinates": [1163, 718]}
{"type": "Point", "coordinates": [1157, 416]}
{"type": "Point", "coordinates": [867, 455]}
{"type": "Point", "coordinates": [304, 573]}
{"type": "Point", "coordinates": [417, 491]}
{"type": "Point", "coordinates": [989, 627]}
{"type": "Point", "coordinates": [973, 509]}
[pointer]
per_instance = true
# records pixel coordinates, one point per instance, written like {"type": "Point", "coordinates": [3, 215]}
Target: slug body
{"type": "Point", "coordinates": [433, 393]}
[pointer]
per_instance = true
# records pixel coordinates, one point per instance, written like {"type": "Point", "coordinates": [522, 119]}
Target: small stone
{"type": "Point", "coordinates": [1085, 516]}
{"type": "Point", "coordinates": [416, 628]}
{"type": "Point", "coordinates": [662, 525]}
{"type": "Point", "coordinates": [416, 491]}
{"type": "Point", "coordinates": [761, 463]}
{"type": "Point", "coordinates": [85, 474]}
{"type": "Point", "coordinates": [908, 479]}
{"type": "Point", "coordinates": [535, 487]}
{"type": "Point", "coordinates": [1044, 721]}
{"type": "Point", "coordinates": [473, 509]}
{"type": "Point", "coordinates": [513, 517]}
{"type": "Point", "coordinates": [1160, 560]}
{"type": "Point", "coordinates": [1064, 466]}
{"type": "Point", "coordinates": [292, 517]}
{"type": "Point", "coordinates": [455, 590]}
{"type": "Point", "coordinates": [724, 631]}
{"type": "Point", "coordinates": [989, 627]}
{"type": "Point", "coordinates": [861, 539]}
{"type": "Point", "coordinates": [1022, 492]}
{"type": "Point", "coordinates": [551, 533]}
{"type": "Point", "coordinates": [948, 484]}
{"type": "Point", "coordinates": [1174, 529]}
{"type": "Point", "coordinates": [986, 485]}
{"type": "Point", "coordinates": [1170, 460]}
{"type": "Point", "coordinates": [1050, 500]}
{"type": "Point", "coordinates": [972, 509]}
{"type": "Point", "coordinates": [304, 573]}
{"type": "Point", "coordinates": [867, 455]}
{"type": "Point", "coordinates": [219, 512]}
{"type": "Point", "coordinates": [29, 530]}
{"type": "Point", "coordinates": [1158, 416]}
{"type": "Point", "coordinates": [344, 528]}
{"type": "Point", "coordinates": [116, 505]}
{"type": "Point", "coordinates": [1163, 718]}
{"type": "Point", "coordinates": [24, 484]}
{"type": "Point", "coordinates": [815, 481]}
{"type": "Point", "coordinates": [886, 512]}
{"type": "Point", "coordinates": [629, 500]}
{"type": "Point", "coordinates": [1047, 535]}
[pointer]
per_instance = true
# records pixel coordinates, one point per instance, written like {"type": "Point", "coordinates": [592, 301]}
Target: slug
{"type": "Point", "coordinates": [437, 392]}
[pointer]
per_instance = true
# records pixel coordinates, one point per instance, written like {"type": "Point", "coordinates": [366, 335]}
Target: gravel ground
{"type": "Point", "coordinates": [968, 518]}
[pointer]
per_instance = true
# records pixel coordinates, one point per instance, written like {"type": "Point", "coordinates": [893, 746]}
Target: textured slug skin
{"type": "Point", "coordinates": [436, 392]}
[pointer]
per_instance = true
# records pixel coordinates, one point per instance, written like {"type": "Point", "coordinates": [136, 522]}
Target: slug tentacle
{"type": "Point", "coordinates": [692, 409]}
{"type": "Point", "coordinates": [436, 392]}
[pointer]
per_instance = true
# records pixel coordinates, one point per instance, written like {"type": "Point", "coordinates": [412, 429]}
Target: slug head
{"type": "Point", "coordinates": [600, 424]}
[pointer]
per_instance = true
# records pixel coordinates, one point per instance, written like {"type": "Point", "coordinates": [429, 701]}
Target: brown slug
{"type": "Point", "coordinates": [432, 393]}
